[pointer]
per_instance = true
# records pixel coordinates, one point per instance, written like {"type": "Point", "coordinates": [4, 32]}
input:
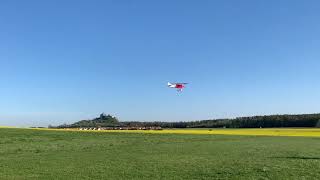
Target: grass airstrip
{"type": "Point", "coordinates": [165, 154]}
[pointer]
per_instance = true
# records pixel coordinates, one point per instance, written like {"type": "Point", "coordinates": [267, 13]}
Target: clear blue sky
{"type": "Point", "coordinates": [63, 61]}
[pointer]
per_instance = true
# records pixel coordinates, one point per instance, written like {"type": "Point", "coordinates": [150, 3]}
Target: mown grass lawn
{"type": "Point", "coordinates": [34, 154]}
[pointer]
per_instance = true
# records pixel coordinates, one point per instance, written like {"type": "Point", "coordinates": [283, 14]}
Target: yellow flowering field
{"type": "Point", "coordinates": [309, 132]}
{"type": "Point", "coordinates": [5, 127]}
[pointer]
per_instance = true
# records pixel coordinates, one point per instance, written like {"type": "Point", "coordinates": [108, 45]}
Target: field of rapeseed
{"type": "Point", "coordinates": [307, 132]}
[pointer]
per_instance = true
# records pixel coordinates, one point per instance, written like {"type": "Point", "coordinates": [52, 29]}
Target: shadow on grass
{"type": "Point", "coordinates": [298, 157]}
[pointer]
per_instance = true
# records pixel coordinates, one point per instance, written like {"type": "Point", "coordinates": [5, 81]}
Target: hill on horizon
{"type": "Point", "coordinates": [267, 121]}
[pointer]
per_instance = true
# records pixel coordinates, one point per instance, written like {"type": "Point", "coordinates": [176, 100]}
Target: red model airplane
{"type": "Point", "coordinates": [178, 86]}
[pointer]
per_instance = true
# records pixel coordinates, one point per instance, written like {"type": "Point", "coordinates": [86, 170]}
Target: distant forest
{"type": "Point", "coordinates": [270, 121]}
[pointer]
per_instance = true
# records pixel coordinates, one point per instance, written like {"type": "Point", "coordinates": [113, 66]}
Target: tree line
{"type": "Point", "coordinates": [268, 121]}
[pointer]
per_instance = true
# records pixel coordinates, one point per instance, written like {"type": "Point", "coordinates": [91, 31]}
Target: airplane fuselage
{"type": "Point", "coordinates": [177, 86]}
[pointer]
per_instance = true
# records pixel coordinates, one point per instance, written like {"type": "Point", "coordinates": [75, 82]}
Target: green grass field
{"type": "Point", "coordinates": [34, 154]}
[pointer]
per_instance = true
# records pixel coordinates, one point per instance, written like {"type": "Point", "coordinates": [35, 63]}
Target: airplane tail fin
{"type": "Point", "coordinates": [169, 84]}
